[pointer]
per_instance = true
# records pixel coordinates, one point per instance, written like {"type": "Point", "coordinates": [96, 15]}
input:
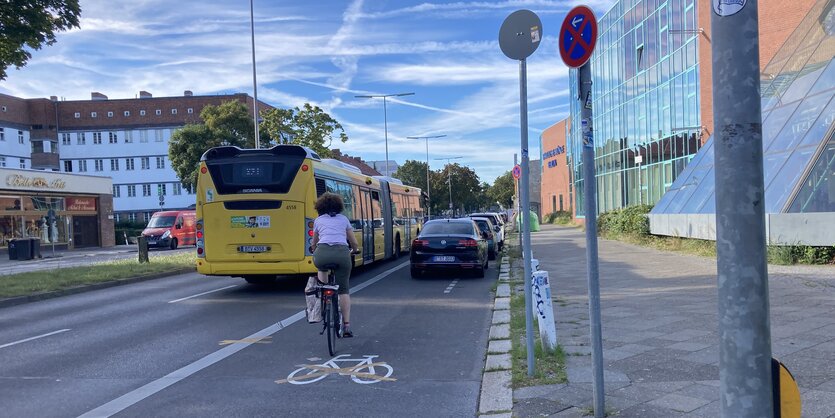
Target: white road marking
{"type": "Point", "coordinates": [34, 338]}
{"type": "Point", "coordinates": [129, 399]}
{"type": "Point", "coordinates": [201, 294]}
{"type": "Point", "coordinates": [451, 285]}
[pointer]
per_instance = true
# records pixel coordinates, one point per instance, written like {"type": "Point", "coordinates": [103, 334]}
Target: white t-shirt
{"type": "Point", "coordinates": [332, 229]}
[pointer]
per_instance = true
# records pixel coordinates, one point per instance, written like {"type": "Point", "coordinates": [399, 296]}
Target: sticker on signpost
{"type": "Point", "coordinates": [726, 8]}
{"type": "Point", "coordinates": [250, 222]}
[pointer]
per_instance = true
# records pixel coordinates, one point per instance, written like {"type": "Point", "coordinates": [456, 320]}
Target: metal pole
{"type": "Point", "coordinates": [254, 80]}
{"type": "Point", "coordinates": [428, 199]}
{"type": "Point", "coordinates": [526, 221]}
{"type": "Point", "coordinates": [518, 200]}
{"type": "Point", "coordinates": [744, 328]}
{"type": "Point", "coordinates": [386, 133]}
{"type": "Point", "coordinates": [449, 180]}
{"type": "Point", "coordinates": [590, 192]}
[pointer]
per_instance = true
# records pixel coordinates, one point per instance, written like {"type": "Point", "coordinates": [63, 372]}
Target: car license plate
{"type": "Point", "coordinates": [152, 242]}
{"type": "Point", "coordinates": [253, 249]}
{"type": "Point", "coordinates": [444, 258]}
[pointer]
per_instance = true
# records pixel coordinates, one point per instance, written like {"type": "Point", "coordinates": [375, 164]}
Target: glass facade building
{"type": "Point", "coordinates": [645, 97]}
{"type": "Point", "coordinates": [798, 105]}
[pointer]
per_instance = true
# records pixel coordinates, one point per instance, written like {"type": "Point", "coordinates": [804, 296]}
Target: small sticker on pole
{"type": "Point", "coordinates": [588, 133]}
{"type": "Point", "coordinates": [578, 35]}
{"type": "Point", "coordinates": [725, 8]}
{"type": "Point", "coordinates": [517, 172]}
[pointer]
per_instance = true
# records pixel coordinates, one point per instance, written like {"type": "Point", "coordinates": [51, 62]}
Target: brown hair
{"type": "Point", "coordinates": [329, 204]}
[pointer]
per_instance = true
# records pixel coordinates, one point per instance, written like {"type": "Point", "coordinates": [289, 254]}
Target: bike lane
{"type": "Point", "coordinates": [432, 338]}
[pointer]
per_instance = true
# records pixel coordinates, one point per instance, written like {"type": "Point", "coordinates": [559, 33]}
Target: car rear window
{"type": "Point", "coordinates": [450, 228]}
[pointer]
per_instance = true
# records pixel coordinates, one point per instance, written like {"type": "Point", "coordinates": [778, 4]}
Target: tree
{"type": "Point", "coordinates": [32, 23]}
{"type": "Point", "coordinates": [309, 126]}
{"type": "Point", "coordinates": [226, 124]}
{"type": "Point", "coordinates": [503, 189]}
{"type": "Point", "coordinates": [466, 189]}
{"type": "Point", "coordinates": [412, 173]}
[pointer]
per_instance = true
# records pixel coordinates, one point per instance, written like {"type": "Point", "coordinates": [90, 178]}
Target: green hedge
{"type": "Point", "coordinates": [133, 229]}
{"type": "Point", "coordinates": [560, 217]}
{"type": "Point", "coordinates": [631, 220]}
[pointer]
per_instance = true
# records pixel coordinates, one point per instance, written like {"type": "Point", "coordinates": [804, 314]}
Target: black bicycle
{"type": "Point", "coordinates": [331, 317]}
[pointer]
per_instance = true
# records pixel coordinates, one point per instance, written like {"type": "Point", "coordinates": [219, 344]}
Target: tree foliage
{"type": "Point", "coordinates": [465, 190]}
{"type": "Point", "coordinates": [32, 23]}
{"type": "Point", "coordinates": [502, 190]}
{"type": "Point", "coordinates": [226, 124]}
{"type": "Point", "coordinates": [309, 126]}
{"type": "Point", "coordinates": [412, 173]}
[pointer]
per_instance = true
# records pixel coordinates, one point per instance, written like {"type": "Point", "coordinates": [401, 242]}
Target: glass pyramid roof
{"type": "Point", "coordinates": [798, 87]}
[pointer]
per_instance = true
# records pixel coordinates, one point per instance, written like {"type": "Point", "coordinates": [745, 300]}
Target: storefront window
{"type": "Point", "coordinates": [27, 216]}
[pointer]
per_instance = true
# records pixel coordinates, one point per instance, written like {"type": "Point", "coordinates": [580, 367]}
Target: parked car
{"type": "Point", "coordinates": [171, 229]}
{"type": "Point", "coordinates": [498, 227]}
{"type": "Point", "coordinates": [486, 225]}
{"type": "Point", "coordinates": [449, 244]}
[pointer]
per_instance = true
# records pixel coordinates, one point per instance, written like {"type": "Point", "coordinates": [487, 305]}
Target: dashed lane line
{"type": "Point", "coordinates": [34, 338]}
{"type": "Point", "coordinates": [451, 286]}
{"type": "Point", "coordinates": [201, 294]}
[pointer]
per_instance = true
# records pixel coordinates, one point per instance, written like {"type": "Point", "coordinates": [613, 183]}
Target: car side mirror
{"type": "Point", "coordinates": [497, 228]}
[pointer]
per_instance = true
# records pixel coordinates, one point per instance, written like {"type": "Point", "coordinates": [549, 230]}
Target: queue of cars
{"type": "Point", "coordinates": [460, 245]}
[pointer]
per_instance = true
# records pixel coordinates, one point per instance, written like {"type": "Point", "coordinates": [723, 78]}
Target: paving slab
{"type": "Point", "coordinates": [501, 317]}
{"type": "Point", "coordinates": [498, 362]}
{"type": "Point", "coordinates": [500, 332]}
{"type": "Point", "coordinates": [496, 394]}
{"type": "Point", "coordinates": [499, 346]}
{"type": "Point", "coordinates": [502, 304]}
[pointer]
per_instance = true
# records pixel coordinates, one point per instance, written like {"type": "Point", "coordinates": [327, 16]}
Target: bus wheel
{"type": "Point", "coordinates": [173, 244]}
{"type": "Point", "coordinates": [397, 251]}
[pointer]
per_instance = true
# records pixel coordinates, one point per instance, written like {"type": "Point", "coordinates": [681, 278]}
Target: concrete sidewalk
{"type": "Point", "coordinates": [660, 325]}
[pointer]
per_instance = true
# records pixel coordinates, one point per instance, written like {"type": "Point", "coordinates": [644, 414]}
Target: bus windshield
{"type": "Point", "coordinates": [162, 222]}
{"type": "Point", "coordinates": [254, 174]}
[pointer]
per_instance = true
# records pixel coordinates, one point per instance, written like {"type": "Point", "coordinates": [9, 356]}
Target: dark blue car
{"type": "Point", "coordinates": [449, 244]}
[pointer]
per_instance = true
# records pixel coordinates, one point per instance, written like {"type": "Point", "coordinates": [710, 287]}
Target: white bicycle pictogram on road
{"type": "Point", "coordinates": [363, 371]}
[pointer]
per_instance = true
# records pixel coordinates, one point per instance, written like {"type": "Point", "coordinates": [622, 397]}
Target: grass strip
{"type": "Point", "coordinates": [35, 282]}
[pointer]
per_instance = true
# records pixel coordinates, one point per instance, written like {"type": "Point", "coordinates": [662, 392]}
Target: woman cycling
{"type": "Point", "coordinates": [332, 235]}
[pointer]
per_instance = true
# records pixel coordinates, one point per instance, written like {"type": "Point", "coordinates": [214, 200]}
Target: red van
{"type": "Point", "coordinates": [171, 228]}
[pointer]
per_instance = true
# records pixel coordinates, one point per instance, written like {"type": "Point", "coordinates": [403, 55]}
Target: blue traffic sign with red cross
{"type": "Point", "coordinates": [578, 35]}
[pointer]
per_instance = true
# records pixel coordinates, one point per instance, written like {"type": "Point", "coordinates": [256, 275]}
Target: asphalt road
{"type": "Point", "coordinates": [167, 348]}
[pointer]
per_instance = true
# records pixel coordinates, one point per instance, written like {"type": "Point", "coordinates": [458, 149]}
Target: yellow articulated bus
{"type": "Point", "coordinates": [255, 211]}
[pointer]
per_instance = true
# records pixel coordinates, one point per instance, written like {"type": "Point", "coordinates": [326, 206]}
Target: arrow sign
{"type": "Point", "coordinates": [578, 35]}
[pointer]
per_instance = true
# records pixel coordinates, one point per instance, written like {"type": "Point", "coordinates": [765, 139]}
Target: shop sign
{"type": "Point", "coordinates": [84, 204]}
{"type": "Point", "coordinates": [18, 180]}
{"type": "Point", "coordinates": [554, 152]}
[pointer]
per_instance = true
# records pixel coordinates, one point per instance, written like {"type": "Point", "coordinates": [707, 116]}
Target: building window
{"type": "Point", "coordinates": [97, 137]}
{"type": "Point", "coordinates": [127, 113]}
{"type": "Point", "coordinates": [146, 163]}
{"type": "Point", "coordinates": [129, 164]}
{"type": "Point", "coordinates": [80, 138]}
{"type": "Point", "coordinates": [131, 191]}
{"type": "Point", "coordinates": [114, 164]}
{"type": "Point", "coordinates": [158, 135]}
{"type": "Point", "coordinates": [132, 217]}
{"type": "Point", "coordinates": [2, 134]}
{"type": "Point", "coordinates": [65, 139]}
{"type": "Point", "coordinates": [143, 135]}
{"type": "Point", "coordinates": [146, 190]}
{"type": "Point", "coordinates": [190, 111]}
{"type": "Point", "coordinates": [99, 165]}
{"type": "Point", "coordinates": [161, 190]}
{"type": "Point", "coordinates": [20, 137]}
{"type": "Point", "coordinates": [158, 112]}
{"type": "Point", "coordinates": [82, 166]}
{"type": "Point", "coordinates": [160, 162]}
{"type": "Point", "coordinates": [22, 163]}
{"type": "Point", "coordinates": [109, 114]}
{"type": "Point", "coordinates": [178, 189]}
{"type": "Point", "coordinates": [128, 137]}
{"type": "Point", "coordinates": [113, 138]}
{"type": "Point", "coordinates": [68, 166]}
{"type": "Point", "coordinates": [116, 190]}
{"type": "Point", "coordinates": [116, 217]}
{"type": "Point", "coordinates": [2, 161]}
{"type": "Point", "coordinates": [147, 216]}
{"type": "Point", "coordinates": [173, 111]}
{"type": "Point", "coordinates": [92, 114]}
{"type": "Point", "coordinates": [141, 113]}
{"type": "Point", "coordinates": [77, 115]}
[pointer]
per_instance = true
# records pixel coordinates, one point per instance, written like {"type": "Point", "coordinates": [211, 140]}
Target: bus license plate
{"type": "Point", "coordinates": [253, 249]}
{"type": "Point", "coordinates": [444, 258]}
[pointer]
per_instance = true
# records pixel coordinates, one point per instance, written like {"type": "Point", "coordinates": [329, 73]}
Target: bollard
{"type": "Point", "coordinates": [143, 249]}
{"type": "Point", "coordinates": [543, 309]}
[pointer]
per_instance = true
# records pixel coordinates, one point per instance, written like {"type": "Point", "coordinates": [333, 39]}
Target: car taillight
{"type": "Point", "coordinates": [468, 243]}
{"type": "Point", "coordinates": [420, 243]}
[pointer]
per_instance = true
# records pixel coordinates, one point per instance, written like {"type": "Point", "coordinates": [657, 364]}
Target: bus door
{"type": "Point", "coordinates": [367, 226]}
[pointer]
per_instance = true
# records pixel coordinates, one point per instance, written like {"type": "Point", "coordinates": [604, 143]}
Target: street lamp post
{"type": "Point", "coordinates": [449, 178]}
{"type": "Point", "coordinates": [428, 200]}
{"type": "Point", "coordinates": [254, 80]}
{"type": "Point", "coordinates": [385, 119]}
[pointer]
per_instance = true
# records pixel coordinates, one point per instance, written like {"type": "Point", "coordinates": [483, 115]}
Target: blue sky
{"type": "Point", "coordinates": [326, 52]}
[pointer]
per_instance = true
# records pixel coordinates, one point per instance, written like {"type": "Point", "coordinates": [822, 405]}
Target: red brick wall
{"type": "Point", "coordinates": [555, 180]}
{"type": "Point", "coordinates": [777, 18]}
{"type": "Point", "coordinates": [106, 229]}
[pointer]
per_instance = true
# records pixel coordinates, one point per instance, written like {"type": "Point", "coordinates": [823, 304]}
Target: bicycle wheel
{"type": "Point", "coordinates": [333, 323]}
